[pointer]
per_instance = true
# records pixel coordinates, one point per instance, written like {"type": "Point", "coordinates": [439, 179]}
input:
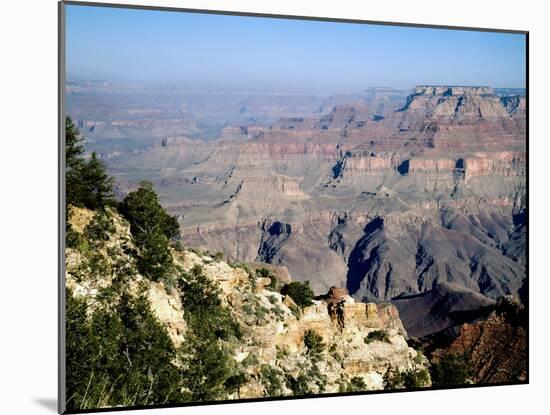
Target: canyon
{"type": "Point", "coordinates": [417, 199]}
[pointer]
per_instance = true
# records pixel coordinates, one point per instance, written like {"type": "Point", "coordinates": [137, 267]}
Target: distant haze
{"type": "Point", "coordinates": [189, 49]}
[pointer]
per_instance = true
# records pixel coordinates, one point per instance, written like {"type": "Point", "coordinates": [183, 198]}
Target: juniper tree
{"type": "Point", "coordinates": [87, 182]}
{"type": "Point", "coordinates": [152, 229]}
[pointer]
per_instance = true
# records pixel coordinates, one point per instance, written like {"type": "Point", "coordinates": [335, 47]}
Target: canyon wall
{"type": "Point", "coordinates": [433, 191]}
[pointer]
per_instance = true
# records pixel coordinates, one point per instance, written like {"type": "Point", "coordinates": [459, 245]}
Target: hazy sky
{"type": "Point", "coordinates": [172, 48]}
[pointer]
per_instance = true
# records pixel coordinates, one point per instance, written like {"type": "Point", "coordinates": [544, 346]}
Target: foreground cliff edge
{"type": "Point", "coordinates": [265, 344]}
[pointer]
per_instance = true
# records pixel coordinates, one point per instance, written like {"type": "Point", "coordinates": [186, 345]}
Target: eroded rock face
{"type": "Point", "coordinates": [494, 347]}
{"type": "Point", "coordinates": [277, 337]}
{"type": "Point", "coordinates": [115, 259]}
{"type": "Point", "coordinates": [274, 328]}
{"type": "Point", "coordinates": [445, 172]}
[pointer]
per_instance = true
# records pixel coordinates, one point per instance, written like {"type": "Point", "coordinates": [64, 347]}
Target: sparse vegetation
{"type": "Point", "coordinates": [282, 352]}
{"type": "Point", "coordinates": [408, 379]}
{"type": "Point", "coordinates": [177, 245]}
{"type": "Point", "coordinates": [245, 266]}
{"type": "Point", "coordinates": [356, 384]}
{"type": "Point", "coordinates": [377, 336]}
{"type": "Point", "coordinates": [203, 308]}
{"type": "Point", "coordinates": [234, 382]}
{"type": "Point", "coordinates": [314, 343]}
{"type": "Point", "coordinates": [300, 292]}
{"type": "Point", "coordinates": [450, 370]}
{"type": "Point", "coordinates": [419, 358]}
{"type": "Point", "coordinates": [298, 385]}
{"type": "Point", "coordinates": [209, 370]}
{"type": "Point", "coordinates": [152, 229]}
{"type": "Point", "coordinates": [119, 355]}
{"type": "Point", "coordinates": [272, 380]}
{"type": "Point", "coordinates": [251, 360]}
{"type": "Point", "coordinates": [100, 228]}
{"type": "Point", "coordinates": [265, 273]}
{"type": "Point", "coordinates": [279, 313]}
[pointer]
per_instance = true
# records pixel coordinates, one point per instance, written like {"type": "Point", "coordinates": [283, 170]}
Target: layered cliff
{"type": "Point", "coordinates": [431, 192]}
{"type": "Point", "coordinates": [491, 342]}
{"type": "Point", "coordinates": [334, 344]}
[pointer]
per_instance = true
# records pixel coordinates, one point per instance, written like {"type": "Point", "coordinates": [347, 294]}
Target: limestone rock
{"type": "Point", "coordinates": [274, 328]}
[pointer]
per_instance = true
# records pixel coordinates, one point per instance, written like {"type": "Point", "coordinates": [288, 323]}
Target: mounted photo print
{"type": "Point", "coordinates": [260, 207]}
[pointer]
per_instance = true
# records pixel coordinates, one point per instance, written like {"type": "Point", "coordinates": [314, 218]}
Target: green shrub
{"type": "Point", "coordinates": [271, 379]}
{"type": "Point", "coordinates": [154, 259]}
{"type": "Point", "coordinates": [204, 311]}
{"type": "Point", "coordinates": [314, 342]}
{"type": "Point", "coordinates": [152, 229]}
{"type": "Point", "coordinates": [300, 292]}
{"type": "Point", "coordinates": [248, 309]}
{"type": "Point", "coordinates": [299, 385]}
{"type": "Point", "coordinates": [145, 214]}
{"type": "Point", "coordinates": [295, 310]}
{"type": "Point", "coordinates": [261, 313]}
{"type": "Point", "coordinates": [118, 356]}
{"type": "Point", "coordinates": [234, 382]}
{"type": "Point", "coordinates": [419, 358]}
{"type": "Point", "coordinates": [377, 336]}
{"type": "Point", "coordinates": [207, 368]}
{"type": "Point", "coordinates": [282, 352]}
{"type": "Point", "coordinates": [251, 360]}
{"type": "Point", "coordinates": [416, 378]}
{"type": "Point", "coordinates": [408, 379]}
{"type": "Point", "coordinates": [265, 273]}
{"type": "Point", "coordinates": [218, 256]}
{"type": "Point", "coordinates": [451, 370]}
{"type": "Point", "coordinates": [100, 228]}
{"type": "Point", "coordinates": [279, 313]}
{"type": "Point", "coordinates": [73, 239]}
{"type": "Point", "coordinates": [315, 375]}
{"type": "Point", "coordinates": [262, 273]}
{"type": "Point", "coordinates": [178, 245]}
{"type": "Point", "coordinates": [356, 384]}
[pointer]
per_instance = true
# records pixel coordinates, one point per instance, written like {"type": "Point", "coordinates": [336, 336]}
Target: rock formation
{"type": "Point", "coordinates": [391, 205]}
{"type": "Point", "coordinates": [492, 343]}
{"type": "Point", "coordinates": [273, 326]}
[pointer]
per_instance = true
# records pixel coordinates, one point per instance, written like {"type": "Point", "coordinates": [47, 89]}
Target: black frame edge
{"type": "Point", "coordinates": [527, 139]}
{"type": "Point", "coordinates": [61, 207]}
{"type": "Point", "coordinates": [292, 17]}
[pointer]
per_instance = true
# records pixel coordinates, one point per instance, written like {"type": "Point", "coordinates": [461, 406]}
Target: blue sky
{"type": "Point", "coordinates": [189, 49]}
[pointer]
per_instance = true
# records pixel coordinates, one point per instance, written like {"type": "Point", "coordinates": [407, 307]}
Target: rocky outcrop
{"type": "Point", "coordinates": [274, 329]}
{"type": "Point", "coordinates": [454, 105]}
{"type": "Point", "coordinates": [113, 260]}
{"type": "Point", "coordinates": [495, 347]}
{"type": "Point", "coordinates": [516, 105]}
{"type": "Point", "coordinates": [443, 90]}
{"type": "Point", "coordinates": [277, 337]}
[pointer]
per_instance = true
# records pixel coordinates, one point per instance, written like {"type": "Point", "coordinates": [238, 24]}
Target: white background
{"type": "Point", "coordinates": [28, 163]}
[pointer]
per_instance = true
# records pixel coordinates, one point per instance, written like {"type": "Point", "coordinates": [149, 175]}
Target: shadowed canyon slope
{"type": "Point", "coordinates": [389, 201]}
